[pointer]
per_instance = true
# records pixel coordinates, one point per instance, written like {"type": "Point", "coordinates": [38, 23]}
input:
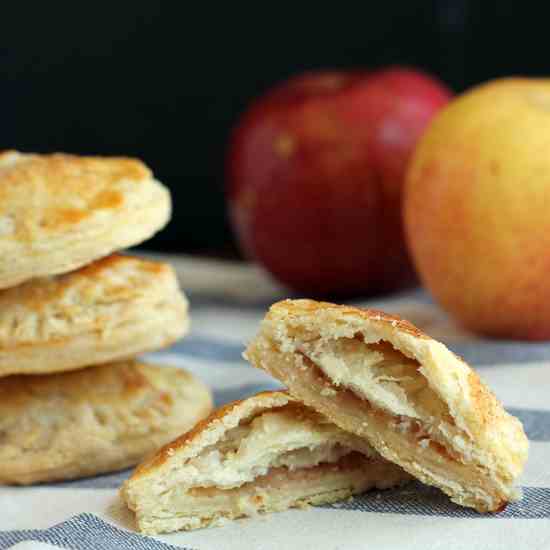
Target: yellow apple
{"type": "Point", "coordinates": [477, 208]}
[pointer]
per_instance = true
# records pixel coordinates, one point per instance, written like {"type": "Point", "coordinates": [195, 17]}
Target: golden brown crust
{"type": "Point", "coordinates": [463, 421]}
{"type": "Point", "coordinates": [111, 309]}
{"type": "Point", "coordinates": [94, 420]}
{"type": "Point", "coordinates": [59, 212]}
{"type": "Point", "coordinates": [96, 281]}
{"type": "Point", "coordinates": [168, 450]}
{"type": "Point", "coordinates": [486, 406]}
{"type": "Point", "coordinates": [278, 490]}
{"type": "Point", "coordinates": [70, 188]}
{"type": "Point", "coordinates": [265, 453]}
{"type": "Point", "coordinates": [304, 307]}
{"type": "Point", "coordinates": [124, 380]}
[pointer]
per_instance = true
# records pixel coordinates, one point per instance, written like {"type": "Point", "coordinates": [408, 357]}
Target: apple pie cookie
{"type": "Point", "coordinates": [60, 212]}
{"type": "Point", "coordinates": [94, 420]}
{"type": "Point", "coordinates": [266, 453]}
{"type": "Point", "coordinates": [416, 402]}
{"type": "Point", "coordinates": [110, 310]}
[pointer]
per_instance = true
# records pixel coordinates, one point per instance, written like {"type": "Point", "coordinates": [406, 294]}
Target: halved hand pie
{"type": "Point", "coordinates": [417, 403]}
{"type": "Point", "coordinates": [263, 454]}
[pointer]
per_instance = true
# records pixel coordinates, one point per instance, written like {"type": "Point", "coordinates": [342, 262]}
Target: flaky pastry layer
{"type": "Point", "coordinates": [59, 212]}
{"type": "Point", "coordinates": [112, 309]}
{"type": "Point", "coordinates": [263, 454]}
{"type": "Point", "coordinates": [95, 420]}
{"type": "Point", "coordinates": [418, 404]}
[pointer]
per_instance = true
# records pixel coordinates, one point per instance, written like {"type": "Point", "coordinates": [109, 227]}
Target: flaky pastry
{"type": "Point", "coordinates": [266, 453]}
{"type": "Point", "coordinates": [59, 212]}
{"type": "Point", "coordinates": [95, 420]}
{"type": "Point", "coordinates": [417, 403]}
{"type": "Point", "coordinates": [113, 309]}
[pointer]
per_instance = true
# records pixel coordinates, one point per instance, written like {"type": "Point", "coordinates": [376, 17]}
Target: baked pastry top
{"type": "Point", "coordinates": [417, 403]}
{"type": "Point", "coordinates": [265, 453]}
{"type": "Point", "coordinates": [59, 212]}
{"type": "Point", "coordinates": [94, 420]}
{"type": "Point", "coordinates": [111, 309]}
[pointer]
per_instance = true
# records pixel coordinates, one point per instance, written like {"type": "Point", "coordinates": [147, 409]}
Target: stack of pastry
{"type": "Point", "coordinates": [74, 401]}
{"type": "Point", "coordinates": [371, 402]}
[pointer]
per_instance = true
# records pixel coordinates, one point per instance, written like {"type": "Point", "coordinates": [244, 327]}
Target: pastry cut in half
{"type": "Point", "coordinates": [266, 453]}
{"type": "Point", "coordinates": [417, 403]}
{"type": "Point", "coordinates": [110, 310]}
{"type": "Point", "coordinates": [59, 212]}
{"type": "Point", "coordinates": [92, 421]}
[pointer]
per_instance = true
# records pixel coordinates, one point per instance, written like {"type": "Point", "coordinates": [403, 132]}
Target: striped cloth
{"type": "Point", "coordinates": [227, 302]}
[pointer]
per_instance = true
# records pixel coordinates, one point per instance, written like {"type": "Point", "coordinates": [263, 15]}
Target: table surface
{"type": "Point", "coordinates": [228, 299]}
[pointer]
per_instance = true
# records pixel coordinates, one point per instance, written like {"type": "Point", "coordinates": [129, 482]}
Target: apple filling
{"type": "Point", "coordinates": [283, 438]}
{"type": "Point", "coordinates": [286, 485]}
{"type": "Point", "coordinates": [391, 383]}
{"type": "Point", "coordinates": [274, 461]}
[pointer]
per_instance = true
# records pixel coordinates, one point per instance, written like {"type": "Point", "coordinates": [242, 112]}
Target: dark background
{"type": "Point", "coordinates": [166, 81]}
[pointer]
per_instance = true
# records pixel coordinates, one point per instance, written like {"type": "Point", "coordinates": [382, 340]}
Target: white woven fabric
{"type": "Point", "coordinates": [86, 514]}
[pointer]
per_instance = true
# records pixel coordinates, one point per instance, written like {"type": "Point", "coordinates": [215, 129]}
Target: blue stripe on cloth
{"type": "Point", "coordinates": [87, 532]}
{"type": "Point", "coordinates": [232, 393]}
{"type": "Point", "coordinates": [106, 481]}
{"type": "Point", "coordinates": [84, 532]}
{"type": "Point", "coordinates": [484, 353]}
{"type": "Point", "coordinates": [536, 423]}
{"type": "Point", "coordinates": [207, 349]}
{"type": "Point", "coordinates": [418, 499]}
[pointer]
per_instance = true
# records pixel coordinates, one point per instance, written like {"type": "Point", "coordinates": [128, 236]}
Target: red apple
{"type": "Point", "coordinates": [314, 176]}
